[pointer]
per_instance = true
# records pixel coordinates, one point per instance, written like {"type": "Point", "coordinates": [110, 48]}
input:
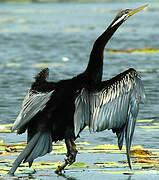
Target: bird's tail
{"type": "Point", "coordinates": [39, 145]}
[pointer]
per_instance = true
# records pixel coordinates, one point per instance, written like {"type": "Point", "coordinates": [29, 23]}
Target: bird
{"type": "Point", "coordinates": [55, 111]}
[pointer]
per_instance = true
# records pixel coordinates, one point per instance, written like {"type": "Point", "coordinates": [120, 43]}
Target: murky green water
{"type": "Point", "coordinates": [60, 36]}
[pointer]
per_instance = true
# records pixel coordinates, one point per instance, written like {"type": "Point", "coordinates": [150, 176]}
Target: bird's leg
{"type": "Point", "coordinates": [71, 151]}
{"type": "Point", "coordinates": [71, 155]}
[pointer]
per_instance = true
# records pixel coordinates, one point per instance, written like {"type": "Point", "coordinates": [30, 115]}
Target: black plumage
{"type": "Point", "coordinates": [56, 111]}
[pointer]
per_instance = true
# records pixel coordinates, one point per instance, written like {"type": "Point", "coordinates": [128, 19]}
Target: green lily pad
{"type": "Point", "coordinates": [145, 120]}
{"type": "Point", "coordinates": [13, 64]}
{"type": "Point", "coordinates": [61, 150]}
{"type": "Point", "coordinates": [109, 164]}
{"type": "Point", "coordinates": [5, 130]}
{"type": "Point", "coordinates": [149, 127]}
{"type": "Point", "coordinates": [79, 165]}
{"type": "Point", "coordinates": [113, 147]}
{"type": "Point", "coordinates": [47, 165]}
{"type": "Point", "coordinates": [143, 50]}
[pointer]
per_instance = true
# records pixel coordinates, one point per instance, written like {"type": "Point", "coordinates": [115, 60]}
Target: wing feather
{"type": "Point", "coordinates": [113, 105]}
{"type": "Point", "coordinates": [32, 104]}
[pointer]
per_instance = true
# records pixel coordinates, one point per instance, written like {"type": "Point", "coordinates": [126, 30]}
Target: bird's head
{"type": "Point", "coordinates": [125, 14]}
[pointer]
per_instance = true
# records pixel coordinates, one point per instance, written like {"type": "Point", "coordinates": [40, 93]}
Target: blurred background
{"type": "Point", "coordinates": [59, 34]}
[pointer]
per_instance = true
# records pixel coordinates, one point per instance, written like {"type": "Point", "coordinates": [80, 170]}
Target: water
{"type": "Point", "coordinates": [33, 36]}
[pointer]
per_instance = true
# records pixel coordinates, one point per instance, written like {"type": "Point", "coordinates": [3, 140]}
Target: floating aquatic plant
{"type": "Point", "coordinates": [130, 50]}
{"type": "Point", "coordinates": [141, 158]}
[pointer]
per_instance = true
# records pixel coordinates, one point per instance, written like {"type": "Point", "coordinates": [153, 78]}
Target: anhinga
{"type": "Point", "coordinates": [56, 111]}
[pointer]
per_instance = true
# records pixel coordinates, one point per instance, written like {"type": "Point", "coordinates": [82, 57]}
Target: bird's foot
{"type": "Point", "coordinates": [70, 160]}
{"type": "Point", "coordinates": [71, 156]}
{"type": "Point", "coordinates": [61, 168]}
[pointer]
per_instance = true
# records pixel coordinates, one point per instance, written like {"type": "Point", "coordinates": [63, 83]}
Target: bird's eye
{"type": "Point", "coordinates": [127, 11]}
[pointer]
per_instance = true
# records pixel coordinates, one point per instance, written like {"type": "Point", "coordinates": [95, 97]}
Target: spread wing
{"type": "Point", "coordinates": [114, 105]}
{"type": "Point", "coordinates": [32, 104]}
{"type": "Point", "coordinates": [36, 99]}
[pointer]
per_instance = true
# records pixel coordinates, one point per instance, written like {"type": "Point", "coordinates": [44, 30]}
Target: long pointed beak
{"type": "Point", "coordinates": [134, 11]}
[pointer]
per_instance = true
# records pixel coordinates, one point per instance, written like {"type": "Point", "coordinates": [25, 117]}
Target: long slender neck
{"type": "Point", "coordinates": [94, 69]}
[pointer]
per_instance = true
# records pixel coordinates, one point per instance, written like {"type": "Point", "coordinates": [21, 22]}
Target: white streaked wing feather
{"type": "Point", "coordinates": [31, 106]}
{"type": "Point", "coordinates": [108, 108]}
{"type": "Point", "coordinates": [117, 108]}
